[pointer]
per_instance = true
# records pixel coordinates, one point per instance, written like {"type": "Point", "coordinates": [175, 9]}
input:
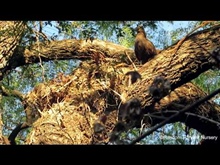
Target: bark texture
{"type": "Point", "coordinates": [10, 36]}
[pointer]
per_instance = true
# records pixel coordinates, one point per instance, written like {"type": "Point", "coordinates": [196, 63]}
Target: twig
{"type": "Point", "coordinates": [187, 113]}
{"type": "Point", "coordinates": [10, 92]}
{"type": "Point", "coordinates": [155, 116]}
{"type": "Point", "coordinates": [131, 61]}
{"type": "Point", "coordinates": [38, 48]}
{"type": "Point", "coordinates": [187, 108]}
{"type": "Point", "coordinates": [203, 117]}
{"type": "Point", "coordinates": [105, 87]}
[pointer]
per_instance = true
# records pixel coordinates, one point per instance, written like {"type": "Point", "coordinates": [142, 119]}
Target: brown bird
{"type": "Point", "coordinates": [144, 49]}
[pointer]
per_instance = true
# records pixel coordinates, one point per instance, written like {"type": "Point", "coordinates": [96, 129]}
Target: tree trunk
{"type": "Point", "coordinates": [10, 36]}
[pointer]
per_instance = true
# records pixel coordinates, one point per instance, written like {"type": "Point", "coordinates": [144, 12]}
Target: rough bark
{"type": "Point", "coordinates": [75, 49]}
{"type": "Point", "coordinates": [10, 36]}
{"type": "Point", "coordinates": [72, 109]}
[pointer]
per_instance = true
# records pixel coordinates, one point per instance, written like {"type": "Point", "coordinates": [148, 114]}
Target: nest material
{"type": "Point", "coordinates": [66, 108]}
{"type": "Point", "coordinates": [62, 124]}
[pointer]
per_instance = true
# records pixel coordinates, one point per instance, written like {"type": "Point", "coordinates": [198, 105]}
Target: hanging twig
{"type": "Point", "coordinates": [153, 115]}
{"type": "Point", "coordinates": [38, 47]}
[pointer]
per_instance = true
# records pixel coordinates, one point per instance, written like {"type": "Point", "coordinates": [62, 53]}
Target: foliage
{"type": "Point", "coordinates": [126, 38]}
{"type": "Point", "coordinates": [182, 31]}
{"type": "Point", "coordinates": [208, 81]}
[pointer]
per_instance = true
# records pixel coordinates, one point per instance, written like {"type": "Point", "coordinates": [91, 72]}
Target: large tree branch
{"type": "Point", "coordinates": [74, 49]}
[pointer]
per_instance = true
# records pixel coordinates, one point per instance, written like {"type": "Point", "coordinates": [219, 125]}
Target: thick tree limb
{"type": "Point", "coordinates": [75, 49]}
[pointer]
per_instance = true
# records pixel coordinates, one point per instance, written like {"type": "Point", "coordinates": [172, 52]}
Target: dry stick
{"type": "Point", "coordinates": [187, 113]}
{"type": "Point", "coordinates": [41, 65]}
{"type": "Point", "coordinates": [131, 61]}
{"type": "Point", "coordinates": [187, 108]}
{"type": "Point", "coordinates": [203, 117]}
